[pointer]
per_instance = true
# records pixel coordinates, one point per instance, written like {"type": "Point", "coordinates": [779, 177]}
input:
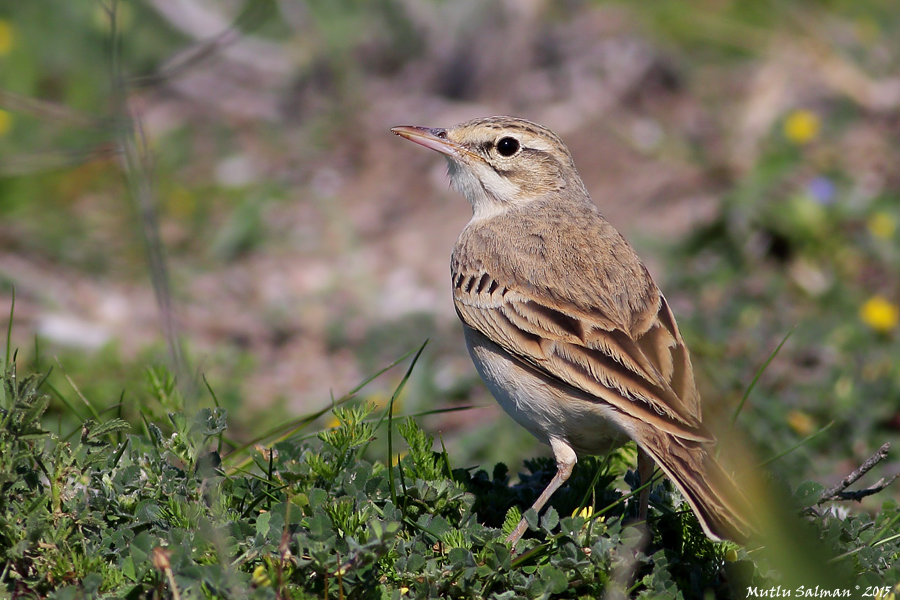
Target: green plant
{"type": "Point", "coordinates": [164, 513]}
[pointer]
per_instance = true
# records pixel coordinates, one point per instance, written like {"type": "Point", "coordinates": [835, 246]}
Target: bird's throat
{"type": "Point", "coordinates": [481, 192]}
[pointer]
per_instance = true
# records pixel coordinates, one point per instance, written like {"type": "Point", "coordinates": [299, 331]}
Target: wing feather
{"type": "Point", "coordinates": [646, 376]}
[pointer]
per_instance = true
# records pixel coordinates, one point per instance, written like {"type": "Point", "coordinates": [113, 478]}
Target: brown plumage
{"type": "Point", "coordinates": [563, 321]}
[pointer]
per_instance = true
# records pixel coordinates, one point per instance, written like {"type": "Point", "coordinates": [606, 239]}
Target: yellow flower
{"type": "Point", "coordinates": [585, 513]}
{"type": "Point", "coordinates": [731, 555]}
{"type": "Point", "coordinates": [261, 577]}
{"type": "Point", "coordinates": [5, 122]}
{"type": "Point", "coordinates": [802, 126]}
{"type": "Point", "coordinates": [6, 37]}
{"type": "Point", "coordinates": [882, 225]}
{"type": "Point", "coordinates": [843, 387]}
{"type": "Point", "coordinates": [880, 314]}
{"type": "Point", "coordinates": [800, 422]}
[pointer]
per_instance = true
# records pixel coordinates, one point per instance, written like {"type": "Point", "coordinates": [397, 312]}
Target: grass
{"type": "Point", "coordinates": [806, 239]}
{"type": "Point", "coordinates": [172, 512]}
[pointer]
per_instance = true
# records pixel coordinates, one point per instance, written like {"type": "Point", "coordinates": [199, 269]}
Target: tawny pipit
{"type": "Point", "coordinates": [563, 321]}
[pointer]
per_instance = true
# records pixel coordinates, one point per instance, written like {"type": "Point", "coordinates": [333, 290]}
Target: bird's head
{"type": "Point", "coordinates": [500, 162]}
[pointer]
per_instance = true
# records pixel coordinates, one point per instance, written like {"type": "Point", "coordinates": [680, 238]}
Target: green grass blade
{"type": "Point", "coordinates": [396, 394]}
{"type": "Point", "coordinates": [37, 354]}
{"type": "Point", "coordinates": [119, 416]}
{"type": "Point", "coordinates": [795, 446]}
{"type": "Point", "coordinates": [762, 369]}
{"type": "Point", "coordinates": [390, 454]}
{"type": "Point", "coordinates": [600, 470]}
{"type": "Point", "coordinates": [12, 310]}
{"type": "Point", "coordinates": [283, 432]}
{"type": "Point", "coordinates": [445, 457]}
{"type": "Point", "coordinates": [414, 415]}
{"type": "Point", "coordinates": [889, 526]}
{"type": "Point", "coordinates": [390, 430]}
{"type": "Point", "coordinates": [211, 392]}
{"type": "Point", "coordinates": [65, 401]}
{"type": "Point", "coordinates": [221, 435]}
{"type": "Point", "coordinates": [87, 402]}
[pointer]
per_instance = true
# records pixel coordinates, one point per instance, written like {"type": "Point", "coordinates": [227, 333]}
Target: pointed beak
{"type": "Point", "coordinates": [433, 138]}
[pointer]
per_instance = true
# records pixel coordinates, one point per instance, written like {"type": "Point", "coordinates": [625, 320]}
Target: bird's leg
{"type": "Point", "coordinates": [565, 462]}
{"type": "Point", "coordinates": [645, 468]}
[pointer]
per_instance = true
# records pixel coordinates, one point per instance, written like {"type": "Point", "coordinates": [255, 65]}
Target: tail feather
{"type": "Point", "coordinates": [721, 507]}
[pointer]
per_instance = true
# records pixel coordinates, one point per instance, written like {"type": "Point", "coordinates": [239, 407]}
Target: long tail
{"type": "Point", "coordinates": [722, 509]}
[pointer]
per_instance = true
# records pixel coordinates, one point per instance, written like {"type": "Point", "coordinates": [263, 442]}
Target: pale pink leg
{"type": "Point", "coordinates": [645, 468]}
{"type": "Point", "coordinates": [565, 462]}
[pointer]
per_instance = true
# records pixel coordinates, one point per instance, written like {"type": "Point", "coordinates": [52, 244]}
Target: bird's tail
{"type": "Point", "coordinates": [721, 507]}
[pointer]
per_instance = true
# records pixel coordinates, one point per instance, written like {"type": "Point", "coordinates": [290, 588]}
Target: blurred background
{"type": "Point", "coordinates": [212, 185]}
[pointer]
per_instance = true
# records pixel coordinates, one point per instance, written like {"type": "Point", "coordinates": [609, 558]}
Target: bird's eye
{"type": "Point", "coordinates": [507, 146]}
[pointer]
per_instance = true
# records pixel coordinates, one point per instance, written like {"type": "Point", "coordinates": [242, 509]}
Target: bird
{"type": "Point", "coordinates": [565, 324]}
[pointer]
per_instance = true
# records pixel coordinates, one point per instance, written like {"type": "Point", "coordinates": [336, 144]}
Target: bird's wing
{"type": "Point", "coordinates": [646, 375]}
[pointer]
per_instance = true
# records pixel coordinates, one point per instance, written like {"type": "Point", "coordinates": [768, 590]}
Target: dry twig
{"type": "Point", "coordinates": [839, 492]}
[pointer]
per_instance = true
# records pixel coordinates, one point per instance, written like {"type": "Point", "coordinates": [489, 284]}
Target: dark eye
{"type": "Point", "coordinates": [507, 146]}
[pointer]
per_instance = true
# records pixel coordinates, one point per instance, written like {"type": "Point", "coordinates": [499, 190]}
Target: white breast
{"type": "Point", "coordinates": [541, 405]}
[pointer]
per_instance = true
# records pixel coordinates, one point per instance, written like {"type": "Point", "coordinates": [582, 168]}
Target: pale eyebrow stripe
{"type": "Point", "coordinates": [539, 144]}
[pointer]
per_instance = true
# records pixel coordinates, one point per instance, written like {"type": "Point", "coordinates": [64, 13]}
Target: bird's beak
{"type": "Point", "coordinates": [433, 138]}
